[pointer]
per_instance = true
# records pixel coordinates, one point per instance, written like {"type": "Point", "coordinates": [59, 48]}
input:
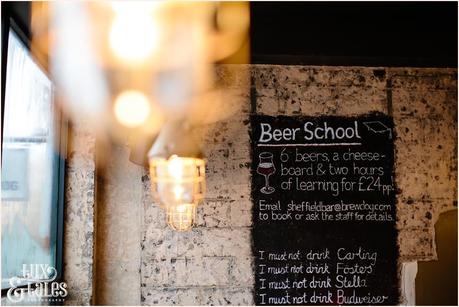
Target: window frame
{"type": "Point", "coordinates": [10, 22]}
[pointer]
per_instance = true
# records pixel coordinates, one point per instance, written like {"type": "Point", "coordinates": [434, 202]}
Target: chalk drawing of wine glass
{"type": "Point", "coordinates": [266, 168]}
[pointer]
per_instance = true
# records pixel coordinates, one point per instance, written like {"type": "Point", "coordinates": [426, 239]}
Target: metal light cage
{"type": "Point", "coordinates": [181, 217]}
{"type": "Point", "coordinates": [178, 186]}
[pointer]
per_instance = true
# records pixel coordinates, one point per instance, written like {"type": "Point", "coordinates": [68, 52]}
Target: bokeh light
{"type": "Point", "coordinates": [131, 108]}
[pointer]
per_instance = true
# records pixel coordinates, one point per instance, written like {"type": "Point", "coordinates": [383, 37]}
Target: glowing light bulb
{"type": "Point", "coordinates": [175, 167]}
{"type": "Point", "coordinates": [133, 35]}
{"type": "Point", "coordinates": [178, 191]}
{"type": "Point", "coordinates": [131, 108]}
{"type": "Point", "coordinates": [178, 185]}
{"type": "Point", "coordinates": [181, 208]}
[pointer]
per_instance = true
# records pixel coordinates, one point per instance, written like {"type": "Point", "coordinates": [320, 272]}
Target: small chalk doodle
{"type": "Point", "coordinates": [378, 127]}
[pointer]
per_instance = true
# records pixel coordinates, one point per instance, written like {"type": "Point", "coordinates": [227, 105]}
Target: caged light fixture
{"type": "Point", "coordinates": [178, 185]}
{"type": "Point", "coordinates": [177, 172]}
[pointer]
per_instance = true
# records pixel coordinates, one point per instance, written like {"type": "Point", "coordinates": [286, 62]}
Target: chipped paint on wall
{"type": "Point", "coordinates": [212, 264]}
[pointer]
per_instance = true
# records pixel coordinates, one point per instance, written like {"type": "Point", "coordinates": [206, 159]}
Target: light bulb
{"type": "Point", "coordinates": [178, 191]}
{"type": "Point", "coordinates": [175, 167]}
{"type": "Point", "coordinates": [178, 185]}
{"type": "Point", "coordinates": [131, 108]}
{"type": "Point", "coordinates": [133, 35]}
{"type": "Point", "coordinates": [181, 208]}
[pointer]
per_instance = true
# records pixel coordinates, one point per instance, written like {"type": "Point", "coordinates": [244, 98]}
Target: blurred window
{"type": "Point", "coordinates": [30, 166]}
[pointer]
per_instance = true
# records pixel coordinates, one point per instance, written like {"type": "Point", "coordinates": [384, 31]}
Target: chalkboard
{"type": "Point", "coordinates": [324, 218]}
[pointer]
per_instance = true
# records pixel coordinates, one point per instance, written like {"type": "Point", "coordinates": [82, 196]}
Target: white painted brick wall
{"type": "Point", "coordinates": [212, 264]}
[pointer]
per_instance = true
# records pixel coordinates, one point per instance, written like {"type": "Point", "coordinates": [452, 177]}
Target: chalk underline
{"type": "Point", "coordinates": [310, 144]}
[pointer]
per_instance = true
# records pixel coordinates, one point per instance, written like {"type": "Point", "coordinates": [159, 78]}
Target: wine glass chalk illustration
{"type": "Point", "coordinates": [266, 168]}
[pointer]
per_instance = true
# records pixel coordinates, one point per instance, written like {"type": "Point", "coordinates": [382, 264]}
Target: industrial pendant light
{"type": "Point", "coordinates": [177, 173]}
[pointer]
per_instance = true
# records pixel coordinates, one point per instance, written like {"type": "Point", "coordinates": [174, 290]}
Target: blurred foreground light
{"type": "Point", "coordinates": [131, 108]}
{"type": "Point", "coordinates": [178, 185]}
{"type": "Point", "coordinates": [74, 63]}
{"type": "Point", "coordinates": [121, 7]}
{"type": "Point", "coordinates": [133, 36]}
{"type": "Point", "coordinates": [166, 51]}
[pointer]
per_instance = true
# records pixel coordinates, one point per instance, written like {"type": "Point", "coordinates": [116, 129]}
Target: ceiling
{"type": "Point", "coordinates": [346, 33]}
{"type": "Point", "coordinates": [350, 33]}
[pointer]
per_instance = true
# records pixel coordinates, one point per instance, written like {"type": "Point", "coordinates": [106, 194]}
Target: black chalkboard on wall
{"type": "Point", "coordinates": [324, 210]}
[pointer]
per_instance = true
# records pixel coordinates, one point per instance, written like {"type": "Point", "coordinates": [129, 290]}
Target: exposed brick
{"type": "Point", "coordinates": [215, 242]}
{"type": "Point", "coordinates": [212, 264]}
